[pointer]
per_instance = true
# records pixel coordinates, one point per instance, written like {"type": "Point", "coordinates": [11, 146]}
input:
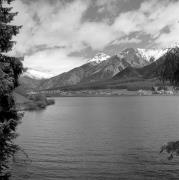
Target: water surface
{"type": "Point", "coordinates": [99, 138]}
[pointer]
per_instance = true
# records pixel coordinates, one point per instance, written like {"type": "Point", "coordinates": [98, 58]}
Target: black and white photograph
{"type": "Point", "coordinates": [89, 89]}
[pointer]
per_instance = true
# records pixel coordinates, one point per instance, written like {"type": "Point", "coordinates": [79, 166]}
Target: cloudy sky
{"type": "Point", "coordinates": [58, 35]}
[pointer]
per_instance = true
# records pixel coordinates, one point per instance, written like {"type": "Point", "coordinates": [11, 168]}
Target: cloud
{"type": "Point", "coordinates": [128, 22]}
{"type": "Point", "coordinates": [107, 5]}
{"type": "Point", "coordinates": [160, 15]}
{"type": "Point", "coordinates": [167, 39]}
{"type": "Point", "coordinates": [96, 35]}
{"type": "Point", "coordinates": [54, 29]}
{"type": "Point", "coordinates": [151, 18]}
{"type": "Point", "coordinates": [49, 34]}
{"type": "Point", "coordinates": [59, 24]}
{"type": "Point", "coordinates": [126, 41]}
{"type": "Point", "coordinates": [55, 25]}
{"type": "Point", "coordinates": [55, 61]}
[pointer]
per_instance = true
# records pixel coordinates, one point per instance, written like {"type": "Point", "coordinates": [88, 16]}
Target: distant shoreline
{"type": "Point", "coordinates": [107, 93]}
{"type": "Point", "coordinates": [112, 95]}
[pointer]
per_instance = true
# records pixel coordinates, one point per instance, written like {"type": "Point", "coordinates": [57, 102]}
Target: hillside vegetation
{"type": "Point", "coordinates": [33, 102]}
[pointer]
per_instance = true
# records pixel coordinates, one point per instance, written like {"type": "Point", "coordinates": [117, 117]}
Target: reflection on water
{"type": "Point", "coordinates": [99, 138]}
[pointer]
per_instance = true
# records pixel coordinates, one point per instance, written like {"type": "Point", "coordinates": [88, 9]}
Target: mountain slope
{"type": "Point", "coordinates": [27, 84]}
{"type": "Point", "coordinates": [19, 98]}
{"type": "Point", "coordinates": [127, 64]}
{"type": "Point", "coordinates": [147, 72]}
{"type": "Point", "coordinates": [69, 78]}
{"type": "Point", "coordinates": [106, 69]}
{"type": "Point", "coordinates": [30, 80]}
{"type": "Point", "coordinates": [90, 72]}
{"type": "Point", "coordinates": [132, 78]}
{"type": "Point", "coordinates": [101, 67]}
{"type": "Point", "coordinates": [133, 57]}
{"type": "Point", "coordinates": [98, 58]}
{"type": "Point", "coordinates": [151, 54]}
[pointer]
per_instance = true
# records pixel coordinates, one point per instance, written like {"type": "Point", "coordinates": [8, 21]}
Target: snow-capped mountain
{"type": "Point", "coordinates": [103, 67]}
{"type": "Point", "coordinates": [151, 54]}
{"type": "Point", "coordinates": [98, 58]}
{"type": "Point", "coordinates": [35, 74]}
{"type": "Point", "coordinates": [133, 57]}
{"type": "Point", "coordinates": [155, 54]}
{"type": "Point", "coordinates": [150, 71]}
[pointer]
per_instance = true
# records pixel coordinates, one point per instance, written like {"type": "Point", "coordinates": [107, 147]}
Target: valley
{"type": "Point", "coordinates": [126, 73]}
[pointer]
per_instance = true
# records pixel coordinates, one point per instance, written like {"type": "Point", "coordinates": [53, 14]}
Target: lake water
{"type": "Point", "coordinates": [98, 138]}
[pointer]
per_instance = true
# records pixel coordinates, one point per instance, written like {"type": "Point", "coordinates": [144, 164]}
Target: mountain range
{"type": "Point", "coordinates": [127, 65]}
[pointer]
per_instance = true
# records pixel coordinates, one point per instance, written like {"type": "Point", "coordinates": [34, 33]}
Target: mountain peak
{"type": "Point", "coordinates": [127, 50]}
{"type": "Point", "coordinates": [149, 54]}
{"type": "Point", "coordinates": [98, 58]}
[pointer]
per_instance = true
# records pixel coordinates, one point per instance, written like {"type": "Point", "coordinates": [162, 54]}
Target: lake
{"type": "Point", "coordinates": [98, 138]}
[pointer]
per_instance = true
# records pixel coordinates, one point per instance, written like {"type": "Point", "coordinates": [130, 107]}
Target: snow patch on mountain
{"type": "Point", "coordinates": [98, 58]}
{"type": "Point", "coordinates": [36, 74]}
{"type": "Point", "coordinates": [151, 54]}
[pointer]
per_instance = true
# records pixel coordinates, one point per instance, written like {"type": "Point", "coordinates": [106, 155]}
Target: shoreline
{"type": "Point", "coordinates": [107, 93]}
{"type": "Point", "coordinates": [126, 95]}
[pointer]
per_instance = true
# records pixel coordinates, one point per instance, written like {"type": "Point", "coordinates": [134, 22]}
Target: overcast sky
{"type": "Point", "coordinates": [58, 35]}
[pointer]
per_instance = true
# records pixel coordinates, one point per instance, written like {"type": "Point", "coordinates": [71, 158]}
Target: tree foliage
{"type": "Point", "coordinates": [10, 69]}
{"type": "Point", "coordinates": [169, 70]}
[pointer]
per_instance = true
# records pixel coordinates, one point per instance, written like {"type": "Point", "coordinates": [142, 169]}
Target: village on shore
{"type": "Point", "coordinates": [167, 91]}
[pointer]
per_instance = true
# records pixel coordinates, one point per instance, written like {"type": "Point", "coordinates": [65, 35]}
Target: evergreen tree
{"type": "Point", "coordinates": [169, 70]}
{"type": "Point", "coordinates": [10, 69]}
